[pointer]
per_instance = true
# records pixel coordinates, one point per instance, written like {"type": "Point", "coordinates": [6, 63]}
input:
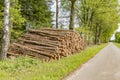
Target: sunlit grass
{"type": "Point", "coordinates": [25, 68]}
{"type": "Point", "coordinates": [117, 44]}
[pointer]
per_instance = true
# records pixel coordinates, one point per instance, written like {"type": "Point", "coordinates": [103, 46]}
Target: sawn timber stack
{"type": "Point", "coordinates": [48, 44]}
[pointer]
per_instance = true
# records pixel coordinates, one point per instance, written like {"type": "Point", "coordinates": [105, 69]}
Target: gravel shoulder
{"type": "Point", "coordinates": [104, 66]}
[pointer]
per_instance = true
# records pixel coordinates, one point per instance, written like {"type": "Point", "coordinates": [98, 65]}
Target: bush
{"type": "Point", "coordinates": [117, 37]}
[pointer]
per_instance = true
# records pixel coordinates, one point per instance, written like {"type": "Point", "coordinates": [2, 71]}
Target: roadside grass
{"type": "Point", "coordinates": [24, 68]}
{"type": "Point", "coordinates": [117, 44]}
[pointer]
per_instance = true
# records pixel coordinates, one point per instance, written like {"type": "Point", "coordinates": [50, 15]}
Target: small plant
{"type": "Point", "coordinates": [21, 62]}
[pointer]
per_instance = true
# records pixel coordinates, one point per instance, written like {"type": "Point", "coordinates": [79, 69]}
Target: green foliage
{"type": "Point", "coordinates": [19, 63]}
{"type": "Point", "coordinates": [17, 22]}
{"type": "Point", "coordinates": [37, 12]}
{"type": "Point", "coordinates": [98, 19]}
{"type": "Point", "coordinates": [101, 18]}
{"type": "Point", "coordinates": [1, 17]}
{"type": "Point", "coordinates": [65, 5]}
{"type": "Point", "coordinates": [117, 44]}
{"type": "Point", "coordinates": [16, 19]}
{"type": "Point", "coordinates": [117, 37]}
{"type": "Point", "coordinates": [25, 68]}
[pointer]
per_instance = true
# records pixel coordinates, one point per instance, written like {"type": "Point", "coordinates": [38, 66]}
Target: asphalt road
{"type": "Point", "coordinates": [104, 66]}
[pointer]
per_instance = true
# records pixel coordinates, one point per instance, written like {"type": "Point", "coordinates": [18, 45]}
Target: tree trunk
{"type": "Point", "coordinates": [6, 31]}
{"type": "Point", "coordinates": [96, 30]}
{"type": "Point", "coordinates": [57, 12]}
{"type": "Point", "coordinates": [99, 35]}
{"type": "Point", "coordinates": [71, 25]}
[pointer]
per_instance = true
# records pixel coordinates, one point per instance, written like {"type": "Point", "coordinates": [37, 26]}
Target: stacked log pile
{"type": "Point", "coordinates": [48, 44]}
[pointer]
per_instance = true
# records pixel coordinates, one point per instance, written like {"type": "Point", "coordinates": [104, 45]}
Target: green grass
{"type": "Point", "coordinates": [117, 44]}
{"type": "Point", "coordinates": [25, 68]}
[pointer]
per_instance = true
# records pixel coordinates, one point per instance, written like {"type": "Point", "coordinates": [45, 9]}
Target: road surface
{"type": "Point", "coordinates": [104, 66]}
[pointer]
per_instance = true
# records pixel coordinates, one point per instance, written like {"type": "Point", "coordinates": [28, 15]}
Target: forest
{"type": "Point", "coordinates": [96, 20]}
{"type": "Point", "coordinates": [47, 34]}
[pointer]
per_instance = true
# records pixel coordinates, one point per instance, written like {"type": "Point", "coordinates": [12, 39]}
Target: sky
{"type": "Point", "coordinates": [63, 19]}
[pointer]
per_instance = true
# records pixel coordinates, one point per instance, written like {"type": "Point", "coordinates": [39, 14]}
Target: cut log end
{"type": "Point", "coordinates": [48, 44]}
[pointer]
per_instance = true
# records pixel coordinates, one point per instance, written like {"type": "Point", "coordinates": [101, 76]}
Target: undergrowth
{"type": "Point", "coordinates": [24, 68]}
{"type": "Point", "coordinates": [117, 44]}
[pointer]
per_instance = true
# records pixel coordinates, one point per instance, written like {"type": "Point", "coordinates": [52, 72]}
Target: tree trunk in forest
{"type": "Point", "coordinates": [96, 35]}
{"type": "Point", "coordinates": [99, 35]}
{"type": "Point", "coordinates": [57, 12]}
{"type": "Point", "coordinates": [6, 31]}
{"type": "Point", "coordinates": [71, 25]}
{"type": "Point", "coordinates": [90, 27]}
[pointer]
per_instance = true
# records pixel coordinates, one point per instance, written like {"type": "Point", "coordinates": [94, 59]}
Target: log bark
{"type": "Point", "coordinates": [25, 48]}
{"type": "Point", "coordinates": [49, 44]}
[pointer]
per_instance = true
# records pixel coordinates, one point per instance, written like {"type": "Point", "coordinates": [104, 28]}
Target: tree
{"type": "Point", "coordinates": [57, 12]}
{"type": "Point", "coordinates": [1, 19]}
{"type": "Point", "coordinates": [17, 21]}
{"type": "Point", "coordinates": [99, 18]}
{"type": "Point", "coordinates": [69, 6]}
{"type": "Point", "coordinates": [36, 12]}
{"type": "Point", "coordinates": [117, 37]}
{"type": "Point", "coordinates": [6, 30]}
{"type": "Point", "coordinates": [71, 25]}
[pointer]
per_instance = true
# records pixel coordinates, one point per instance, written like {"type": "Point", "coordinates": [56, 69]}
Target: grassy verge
{"type": "Point", "coordinates": [24, 68]}
{"type": "Point", "coordinates": [117, 44]}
